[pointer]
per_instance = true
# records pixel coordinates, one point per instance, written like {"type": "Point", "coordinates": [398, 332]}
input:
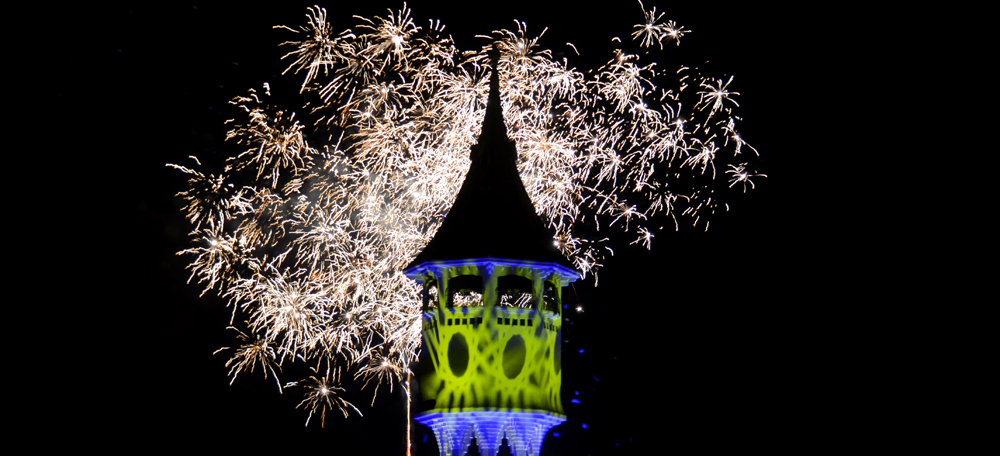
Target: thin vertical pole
{"type": "Point", "coordinates": [409, 439]}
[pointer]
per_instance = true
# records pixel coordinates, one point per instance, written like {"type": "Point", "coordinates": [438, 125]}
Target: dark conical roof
{"type": "Point", "coordinates": [492, 216]}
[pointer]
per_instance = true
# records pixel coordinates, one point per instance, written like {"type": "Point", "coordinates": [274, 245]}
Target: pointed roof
{"type": "Point", "coordinates": [492, 216]}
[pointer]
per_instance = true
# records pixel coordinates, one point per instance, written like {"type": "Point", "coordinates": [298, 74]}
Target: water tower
{"type": "Point", "coordinates": [492, 308]}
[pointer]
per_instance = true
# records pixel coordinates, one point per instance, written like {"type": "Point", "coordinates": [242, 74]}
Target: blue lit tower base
{"type": "Point", "coordinates": [524, 431]}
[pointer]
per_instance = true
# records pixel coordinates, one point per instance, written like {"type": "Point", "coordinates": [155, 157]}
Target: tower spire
{"type": "Point", "coordinates": [494, 130]}
{"type": "Point", "coordinates": [492, 216]}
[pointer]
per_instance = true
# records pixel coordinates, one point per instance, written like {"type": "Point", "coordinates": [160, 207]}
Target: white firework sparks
{"type": "Point", "coordinates": [738, 174]}
{"type": "Point", "coordinates": [654, 32]}
{"type": "Point", "coordinates": [306, 240]}
{"type": "Point", "coordinates": [323, 393]}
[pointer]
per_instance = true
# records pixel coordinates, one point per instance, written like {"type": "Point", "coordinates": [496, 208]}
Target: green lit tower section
{"type": "Point", "coordinates": [492, 310]}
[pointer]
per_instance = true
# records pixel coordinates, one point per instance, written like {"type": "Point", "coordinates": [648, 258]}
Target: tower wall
{"type": "Point", "coordinates": [488, 371]}
{"type": "Point", "coordinates": [477, 359]}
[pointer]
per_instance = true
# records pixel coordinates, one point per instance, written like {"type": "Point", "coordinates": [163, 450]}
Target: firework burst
{"type": "Point", "coordinates": [254, 351]}
{"type": "Point", "coordinates": [322, 394]}
{"type": "Point", "coordinates": [654, 32]}
{"type": "Point", "coordinates": [306, 229]}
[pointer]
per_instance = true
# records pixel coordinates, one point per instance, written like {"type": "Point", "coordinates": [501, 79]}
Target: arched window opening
{"type": "Point", "coordinates": [465, 291]}
{"type": "Point", "coordinates": [514, 291]}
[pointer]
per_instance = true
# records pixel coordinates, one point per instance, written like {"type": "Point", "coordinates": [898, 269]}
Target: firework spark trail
{"type": "Point", "coordinates": [323, 393]}
{"type": "Point", "coordinates": [653, 31]}
{"type": "Point", "coordinates": [738, 175]}
{"type": "Point", "coordinates": [307, 241]}
{"type": "Point", "coordinates": [254, 351]}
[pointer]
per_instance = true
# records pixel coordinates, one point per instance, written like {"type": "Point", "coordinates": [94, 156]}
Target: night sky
{"type": "Point", "coordinates": [703, 343]}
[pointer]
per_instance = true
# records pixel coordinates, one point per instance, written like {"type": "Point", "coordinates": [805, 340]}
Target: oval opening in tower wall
{"type": "Point", "coordinates": [458, 355]}
{"type": "Point", "coordinates": [513, 356]}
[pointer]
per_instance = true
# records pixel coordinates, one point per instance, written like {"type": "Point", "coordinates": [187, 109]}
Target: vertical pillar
{"type": "Point", "coordinates": [557, 280]}
{"type": "Point", "coordinates": [425, 292]}
{"type": "Point", "coordinates": [537, 290]}
{"type": "Point", "coordinates": [442, 275]}
{"type": "Point", "coordinates": [490, 274]}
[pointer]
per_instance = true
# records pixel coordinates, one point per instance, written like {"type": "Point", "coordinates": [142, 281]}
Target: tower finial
{"type": "Point", "coordinates": [495, 75]}
{"type": "Point", "coordinates": [494, 130]}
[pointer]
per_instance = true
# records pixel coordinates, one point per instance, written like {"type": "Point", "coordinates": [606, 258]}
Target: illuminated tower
{"type": "Point", "coordinates": [492, 309]}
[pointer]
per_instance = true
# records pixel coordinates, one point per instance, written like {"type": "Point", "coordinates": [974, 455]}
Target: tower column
{"type": "Point", "coordinates": [492, 274]}
{"type": "Point", "coordinates": [558, 281]}
{"type": "Point", "coordinates": [538, 290]}
{"type": "Point", "coordinates": [425, 292]}
{"type": "Point", "coordinates": [443, 275]}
